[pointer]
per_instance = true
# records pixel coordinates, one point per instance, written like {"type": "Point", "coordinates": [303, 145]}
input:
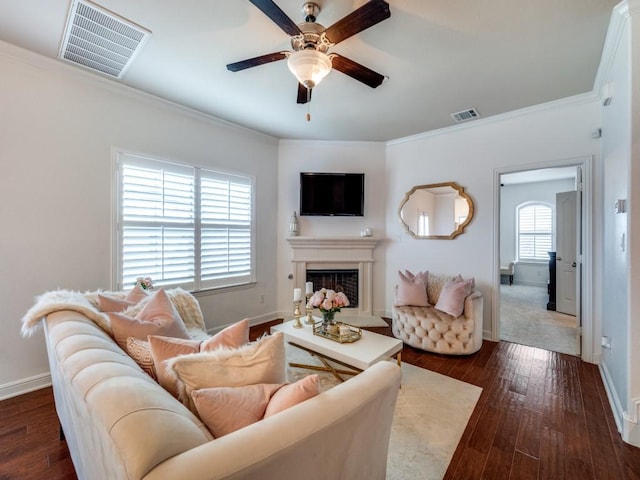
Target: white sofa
{"type": "Point", "coordinates": [434, 331]}
{"type": "Point", "coordinates": [120, 424]}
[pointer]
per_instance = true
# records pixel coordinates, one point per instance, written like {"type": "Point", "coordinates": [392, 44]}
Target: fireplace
{"type": "Point", "coordinates": [340, 280]}
{"type": "Point", "coordinates": [340, 254]}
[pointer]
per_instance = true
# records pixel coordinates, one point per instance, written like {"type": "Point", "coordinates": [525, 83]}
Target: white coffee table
{"type": "Point", "coordinates": [356, 356]}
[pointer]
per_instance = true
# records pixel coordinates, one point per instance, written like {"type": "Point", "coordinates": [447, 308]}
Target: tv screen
{"type": "Point", "coordinates": [337, 194]}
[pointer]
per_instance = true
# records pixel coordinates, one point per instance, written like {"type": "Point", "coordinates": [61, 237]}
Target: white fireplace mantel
{"type": "Point", "coordinates": [310, 253]}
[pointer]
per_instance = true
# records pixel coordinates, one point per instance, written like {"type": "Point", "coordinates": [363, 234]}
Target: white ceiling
{"type": "Point", "coordinates": [441, 56]}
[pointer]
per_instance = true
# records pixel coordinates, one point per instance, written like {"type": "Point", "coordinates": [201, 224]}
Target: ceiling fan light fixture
{"type": "Point", "coordinates": [309, 66]}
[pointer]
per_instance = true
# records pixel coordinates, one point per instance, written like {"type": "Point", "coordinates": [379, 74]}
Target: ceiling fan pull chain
{"type": "Point", "coordinates": [308, 105]}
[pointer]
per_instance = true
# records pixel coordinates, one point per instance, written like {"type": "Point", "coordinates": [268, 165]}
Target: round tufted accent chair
{"type": "Point", "coordinates": [434, 331]}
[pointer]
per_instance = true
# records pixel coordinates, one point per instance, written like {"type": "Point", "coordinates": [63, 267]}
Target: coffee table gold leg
{"type": "Point", "coordinates": [399, 358]}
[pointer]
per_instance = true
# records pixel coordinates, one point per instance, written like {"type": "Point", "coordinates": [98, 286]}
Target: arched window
{"type": "Point", "coordinates": [534, 231]}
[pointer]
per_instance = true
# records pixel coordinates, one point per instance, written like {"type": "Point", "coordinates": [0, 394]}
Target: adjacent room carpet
{"type": "Point", "coordinates": [431, 414]}
{"type": "Point", "coordinates": [524, 319]}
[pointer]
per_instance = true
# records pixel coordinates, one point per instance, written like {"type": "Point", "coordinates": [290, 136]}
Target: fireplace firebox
{"type": "Point", "coordinates": [345, 281]}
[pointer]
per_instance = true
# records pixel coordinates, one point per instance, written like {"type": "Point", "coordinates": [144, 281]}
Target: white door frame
{"type": "Point", "coordinates": [586, 164]}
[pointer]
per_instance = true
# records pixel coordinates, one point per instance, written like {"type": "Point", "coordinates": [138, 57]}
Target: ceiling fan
{"type": "Point", "coordinates": [310, 42]}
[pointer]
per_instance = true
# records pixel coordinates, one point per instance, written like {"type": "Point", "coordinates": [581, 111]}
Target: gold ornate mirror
{"type": "Point", "coordinates": [439, 210]}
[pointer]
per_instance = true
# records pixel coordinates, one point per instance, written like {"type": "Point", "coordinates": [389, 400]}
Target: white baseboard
{"type": "Point", "coordinates": [25, 385]}
{"type": "Point", "coordinates": [631, 427]}
{"type": "Point", "coordinates": [627, 423]}
{"type": "Point", "coordinates": [253, 321]}
{"type": "Point", "coordinates": [612, 395]}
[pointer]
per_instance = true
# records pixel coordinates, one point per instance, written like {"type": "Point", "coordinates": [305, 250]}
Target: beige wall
{"type": "Point", "coordinates": [60, 127]}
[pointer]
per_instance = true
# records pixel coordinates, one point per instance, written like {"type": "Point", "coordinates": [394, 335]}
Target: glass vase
{"type": "Point", "coordinates": [328, 320]}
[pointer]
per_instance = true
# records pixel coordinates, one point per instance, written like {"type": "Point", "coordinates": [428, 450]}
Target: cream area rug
{"type": "Point", "coordinates": [431, 414]}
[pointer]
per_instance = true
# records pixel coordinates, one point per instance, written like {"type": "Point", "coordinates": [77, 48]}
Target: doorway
{"type": "Point", "coordinates": [535, 219]}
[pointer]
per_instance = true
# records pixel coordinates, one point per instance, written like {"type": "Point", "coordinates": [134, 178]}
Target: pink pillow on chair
{"type": "Point", "coordinates": [453, 294]}
{"type": "Point", "coordinates": [412, 289]}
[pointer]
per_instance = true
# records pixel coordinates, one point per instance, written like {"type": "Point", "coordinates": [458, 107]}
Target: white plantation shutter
{"type": "Point", "coordinates": [226, 227]}
{"type": "Point", "coordinates": [535, 231]}
{"type": "Point", "coordinates": [183, 226]}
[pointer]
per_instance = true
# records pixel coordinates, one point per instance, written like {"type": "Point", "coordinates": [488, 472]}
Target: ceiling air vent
{"type": "Point", "coordinates": [465, 115]}
{"type": "Point", "coordinates": [100, 40]}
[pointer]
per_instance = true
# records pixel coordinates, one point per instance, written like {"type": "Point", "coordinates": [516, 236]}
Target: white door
{"type": "Point", "coordinates": [566, 248]}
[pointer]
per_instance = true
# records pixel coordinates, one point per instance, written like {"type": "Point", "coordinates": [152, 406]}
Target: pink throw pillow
{"type": "Point", "coordinates": [293, 394]}
{"type": "Point", "coordinates": [452, 297]}
{"type": "Point", "coordinates": [262, 361]}
{"type": "Point", "coordinates": [140, 352]}
{"type": "Point", "coordinates": [420, 277]}
{"type": "Point", "coordinates": [137, 294]}
{"type": "Point", "coordinates": [158, 317]}
{"type": "Point", "coordinates": [164, 348]}
{"type": "Point", "coordinates": [412, 290]}
{"type": "Point", "coordinates": [227, 409]}
{"type": "Point", "coordinates": [111, 304]}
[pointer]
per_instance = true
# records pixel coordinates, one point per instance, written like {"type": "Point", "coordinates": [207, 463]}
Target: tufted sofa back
{"type": "Point", "coordinates": [116, 419]}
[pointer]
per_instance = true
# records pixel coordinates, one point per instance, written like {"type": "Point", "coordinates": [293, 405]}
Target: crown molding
{"type": "Point", "coordinates": [28, 57]}
{"type": "Point", "coordinates": [581, 99]}
{"type": "Point", "coordinates": [619, 17]}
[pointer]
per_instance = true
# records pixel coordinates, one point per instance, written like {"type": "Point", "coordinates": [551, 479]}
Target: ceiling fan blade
{"type": "Point", "coordinates": [357, 71]}
{"type": "Point", "coordinates": [254, 62]}
{"type": "Point", "coordinates": [304, 95]}
{"type": "Point", "coordinates": [360, 19]}
{"type": "Point", "coordinates": [273, 11]}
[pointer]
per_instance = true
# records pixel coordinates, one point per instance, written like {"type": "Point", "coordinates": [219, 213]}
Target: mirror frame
{"type": "Point", "coordinates": [457, 231]}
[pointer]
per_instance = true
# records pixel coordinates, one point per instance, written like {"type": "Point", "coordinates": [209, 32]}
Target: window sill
{"type": "Point", "coordinates": [223, 289]}
{"type": "Point", "coordinates": [532, 262]}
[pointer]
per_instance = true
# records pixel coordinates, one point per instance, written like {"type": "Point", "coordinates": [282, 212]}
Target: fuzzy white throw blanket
{"type": "Point", "coordinates": [87, 304]}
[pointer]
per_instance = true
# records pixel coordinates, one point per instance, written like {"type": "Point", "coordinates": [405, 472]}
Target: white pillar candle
{"type": "Point", "coordinates": [308, 287]}
{"type": "Point", "coordinates": [297, 294]}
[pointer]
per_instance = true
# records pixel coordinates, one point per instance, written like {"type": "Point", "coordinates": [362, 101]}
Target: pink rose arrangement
{"type": "Point", "coordinates": [328, 300]}
{"type": "Point", "coordinates": [145, 282]}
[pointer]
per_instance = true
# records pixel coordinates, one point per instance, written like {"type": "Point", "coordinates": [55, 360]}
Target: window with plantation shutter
{"type": "Point", "coordinates": [535, 231]}
{"type": "Point", "coordinates": [183, 226]}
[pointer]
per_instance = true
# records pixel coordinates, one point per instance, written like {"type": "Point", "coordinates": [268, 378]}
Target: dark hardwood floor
{"type": "Point", "coordinates": [541, 415]}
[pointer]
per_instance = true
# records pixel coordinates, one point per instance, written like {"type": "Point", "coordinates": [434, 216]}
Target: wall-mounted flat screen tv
{"type": "Point", "coordinates": [332, 194]}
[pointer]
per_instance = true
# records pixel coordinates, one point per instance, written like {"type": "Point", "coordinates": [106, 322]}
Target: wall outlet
{"type": "Point", "coordinates": [261, 298]}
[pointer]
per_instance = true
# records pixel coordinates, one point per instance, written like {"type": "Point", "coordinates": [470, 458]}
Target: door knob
{"type": "Point", "coordinates": [573, 264]}
{"type": "Point", "coordinates": [559, 259]}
